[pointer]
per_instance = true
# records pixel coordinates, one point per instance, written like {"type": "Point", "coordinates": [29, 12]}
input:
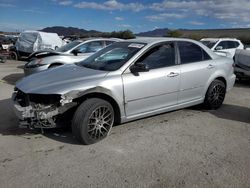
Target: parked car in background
{"type": "Point", "coordinates": [125, 81]}
{"type": "Point", "coordinates": [72, 52]}
{"type": "Point", "coordinates": [32, 41]}
{"type": "Point", "coordinates": [7, 41]}
{"type": "Point", "coordinates": [242, 64]}
{"type": "Point", "coordinates": [223, 46]}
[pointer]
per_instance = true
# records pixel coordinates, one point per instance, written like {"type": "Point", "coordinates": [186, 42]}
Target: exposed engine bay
{"type": "Point", "coordinates": [39, 110]}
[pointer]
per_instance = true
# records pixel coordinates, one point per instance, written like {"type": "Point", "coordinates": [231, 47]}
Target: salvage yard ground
{"type": "Point", "coordinates": [185, 148]}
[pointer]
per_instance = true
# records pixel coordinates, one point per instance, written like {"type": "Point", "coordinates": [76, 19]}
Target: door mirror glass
{"type": "Point", "coordinates": [139, 67]}
{"type": "Point", "coordinates": [75, 52]}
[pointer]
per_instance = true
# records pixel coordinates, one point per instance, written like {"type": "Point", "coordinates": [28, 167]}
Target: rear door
{"type": "Point", "coordinates": [196, 66]}
{"type": "Point", "coordinates": [157, 88]}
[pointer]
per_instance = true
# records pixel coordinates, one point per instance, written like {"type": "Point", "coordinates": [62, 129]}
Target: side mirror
{"type": "Point", "coordinates": [139, 67]}
{"type": "Point", "coordinates": [75, 52]}
{"type": "Point", "coordinates": [219, 48]}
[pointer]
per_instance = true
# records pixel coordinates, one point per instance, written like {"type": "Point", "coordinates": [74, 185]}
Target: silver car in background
{"type": "Point", "coordinates": [125, 81]}
{"type": "Point", "coordinates": [72, 52]}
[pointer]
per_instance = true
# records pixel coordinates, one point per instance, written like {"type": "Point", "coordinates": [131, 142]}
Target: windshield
{"type": "Point", "coordinates": [68, 46]}
{"type": "Point", "coordinates": [112, 57]}
{"type": "Point", "coordinates": [209, 44]}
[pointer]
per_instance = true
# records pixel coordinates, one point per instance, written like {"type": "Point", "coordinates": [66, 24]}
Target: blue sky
{"type": "Point", "coordinates": [109, 15]}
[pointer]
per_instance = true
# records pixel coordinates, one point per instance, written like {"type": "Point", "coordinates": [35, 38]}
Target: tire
{"type": "Point", "coordinates": [88, 123]}
{"type": "Point", "coordinates": [215, 95]}
{"type": "Point", "coordinates": [13, 56]}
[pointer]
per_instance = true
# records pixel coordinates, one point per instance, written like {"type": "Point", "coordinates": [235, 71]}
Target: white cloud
{"type": "Point", "coordinates": [6, 5]}
{"type": "Point", "coordinates": [196, 23]}
{"type": "Point", "coordinates": [6, 26]}
{"type": "Point", "coordinates": [119, 18]}
{"type": "Point", "coordinates": [164, 16]}
{"type": "Point", "coordinates": [65, 3]}
{"type": "Point", "coordinates": [125, 25]}
{"type": "Point", "coordinates": [227, 10]}
{"type": "Point", "coordinates": [110, 5]}
{"type": "Point", "coordinates": [34, 11]}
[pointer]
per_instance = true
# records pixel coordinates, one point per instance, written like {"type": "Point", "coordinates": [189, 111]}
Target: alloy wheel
{"type": "Point", "coordinates": [100, 122]}
{"type": "Point", "coordinates": [217, 95]}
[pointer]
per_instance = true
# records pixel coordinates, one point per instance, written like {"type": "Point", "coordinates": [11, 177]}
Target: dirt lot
{"type": "Point", "coordinates": [184, 148]}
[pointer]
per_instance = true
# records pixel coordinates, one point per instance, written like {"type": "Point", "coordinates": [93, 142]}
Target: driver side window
{"type": "Point", "coordinates": [82, 48]}
{"type": "Point", "coordinates": [94, 46]}
{"type": "Point", "coordinates": [159, 56]}
{"type": "Point", "coordinates": [223, 44]}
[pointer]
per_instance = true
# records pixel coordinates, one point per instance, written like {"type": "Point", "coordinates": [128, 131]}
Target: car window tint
{"type": "Point", "coordinates": [230, 44]}
{"type": "Point", "coordinates": [223, 44]}
{"type": "Point", "coordinates": [82, 48]}
{"type": "Point", "coordinates": [236, 44]}
{"type": "Point", "coordinates": [94, 46]}
{"type": "Point", "coordinates": [190, 52]}
{"type": "Point", "coordinates": [205, 55]}
{"type": "Point", "coordinates": [159, 56]}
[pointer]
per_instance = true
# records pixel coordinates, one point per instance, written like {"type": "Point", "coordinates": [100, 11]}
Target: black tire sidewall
{"type": "Point", "coordinates": [207, 103]}
{"type": "Point", "coordinates": [81, 118]}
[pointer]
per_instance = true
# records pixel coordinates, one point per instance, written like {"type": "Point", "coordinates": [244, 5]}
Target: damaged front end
{"type": "Point", "coordinates": [40, 110]}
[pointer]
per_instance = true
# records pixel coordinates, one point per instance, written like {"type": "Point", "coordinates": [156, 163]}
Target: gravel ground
{"type": "Point", "coordinates": [184, 148]}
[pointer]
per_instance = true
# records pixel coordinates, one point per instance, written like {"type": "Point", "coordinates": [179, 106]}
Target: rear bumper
{"type": "Point", "coordinates": [241, 73]}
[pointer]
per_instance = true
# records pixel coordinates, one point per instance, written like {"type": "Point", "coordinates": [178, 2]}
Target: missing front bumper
{"type": "Point", "coordinates": [39, 116]}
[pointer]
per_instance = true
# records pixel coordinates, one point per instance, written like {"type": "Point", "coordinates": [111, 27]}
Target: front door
{"type": "Point", "coordinates": [156, 89]}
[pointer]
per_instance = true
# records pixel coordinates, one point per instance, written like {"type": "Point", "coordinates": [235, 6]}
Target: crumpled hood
{"type": "Point", "coordinates": [60, 80]}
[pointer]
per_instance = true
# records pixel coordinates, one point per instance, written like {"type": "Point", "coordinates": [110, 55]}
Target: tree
{"type": "Point", "coordinates": [174, 33]}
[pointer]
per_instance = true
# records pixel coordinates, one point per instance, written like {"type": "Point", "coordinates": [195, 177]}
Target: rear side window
{"type": "Point", "coordinates": [159, 56]}
{"type": "Point", "coordinates": [223, 44]}
{"type": "Point", "coordinates": [236, 44]}
{"type": "Point", "coordinates": [190, 52]}
{"type": "Point", "coordinates": [205, 55]}
{"type": "Point", "coordinates": [230, 44]}
{"type": "Point", "coordinates": [227, 45]}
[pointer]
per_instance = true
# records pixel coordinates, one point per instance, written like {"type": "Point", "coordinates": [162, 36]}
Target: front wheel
{"type": "Point", "coordinates": [215, 94]}
{"type": "Point", "coordinates": [93, 121]}
{"type": "Point", "coordinates": [13, 56]}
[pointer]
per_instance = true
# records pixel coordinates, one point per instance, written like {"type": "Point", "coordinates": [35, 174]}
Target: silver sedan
{"type": "Point", "coordinates": [70, 53]}
{"type": "Point", "coordinates": [123, 82]}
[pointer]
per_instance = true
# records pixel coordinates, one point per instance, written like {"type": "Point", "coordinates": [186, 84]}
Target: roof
{"type": "Point", "coordinates": [216, 39]}
{"type": "Point", "coordinates": [150, 40]}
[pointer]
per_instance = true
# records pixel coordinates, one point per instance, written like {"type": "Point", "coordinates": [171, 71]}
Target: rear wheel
{"type": "Point", "coordinates": [93, 121]}
{"type": "Point", "coordinates": [215, 94]}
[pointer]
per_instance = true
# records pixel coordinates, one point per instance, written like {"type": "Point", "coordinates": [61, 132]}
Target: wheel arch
{"type": "Point", "coordinates": [103, 96]}
{"type": "Point", "coordinates": [218, 76]}
{"type": "Point", "coordinates": [55, 64]}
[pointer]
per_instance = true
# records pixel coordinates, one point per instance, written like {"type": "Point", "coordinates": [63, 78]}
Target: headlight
{"type": "Point", "coordinates": [35, 63]}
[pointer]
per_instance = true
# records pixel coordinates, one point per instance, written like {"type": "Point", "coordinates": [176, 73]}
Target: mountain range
{"type": "Point", "coordinates": [66, 31]}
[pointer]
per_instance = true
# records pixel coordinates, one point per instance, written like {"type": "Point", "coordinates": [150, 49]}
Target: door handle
{"type": "Point", "coordinates": [173, 74]}
{"type": "Point", "coordinates": [210, 66]}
